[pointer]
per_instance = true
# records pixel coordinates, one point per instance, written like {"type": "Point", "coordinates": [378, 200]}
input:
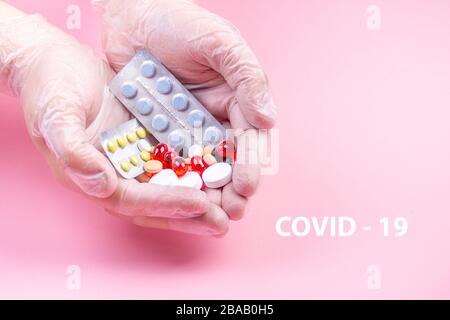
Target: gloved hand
{"type": "Point", "coordinates": [208, 55]}
{"type": "Point", "coordinates": [63, 89]}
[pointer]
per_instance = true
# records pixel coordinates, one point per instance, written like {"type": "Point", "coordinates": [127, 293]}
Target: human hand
{"type": "Point", "coordinates": [207, 54]}
{"type": "Point", "coordinates": [63, 89]}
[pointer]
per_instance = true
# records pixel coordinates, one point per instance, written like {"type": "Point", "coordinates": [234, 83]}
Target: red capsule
{"type": "Point", "coordinates": [179, 167]}
{"type": "Point", "coordinates": [225, 150]}
{"type": "Point", "coordinates": [168, 158]}
{"type": "Point", "coordinates": [159, 151]}
{"type": "Point", "coordinates": [198, 165]}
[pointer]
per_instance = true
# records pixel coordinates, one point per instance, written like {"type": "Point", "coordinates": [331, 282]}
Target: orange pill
{"type": "Point", "coordinates": [187, 161]}
{"type": "Point", "coordinates": [143, 178]}
{"type": "Point", "coordinates": [153, 166]}
{"type": "Point", "coordinates": [209, 159]}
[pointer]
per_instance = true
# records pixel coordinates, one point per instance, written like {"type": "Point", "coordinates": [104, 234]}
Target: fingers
{"type": "Point", "coordinates": [133, 198]}
{"type": "Point", "coordinates": [62, 125]}
{"type": "Point", "coordinates": [215, 222]}
{"type": "Point", "coordinates": [233, 203]}
{"type": "Point", "coordinates": [227, 53]}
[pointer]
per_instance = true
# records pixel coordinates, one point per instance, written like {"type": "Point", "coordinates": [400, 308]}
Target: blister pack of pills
{"type": "Point", "coordinates": [163, 105]}
{"type": "Point", "coordinates": [127, 146]}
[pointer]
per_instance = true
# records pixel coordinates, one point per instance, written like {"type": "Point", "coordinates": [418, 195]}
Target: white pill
{"type": "Point", "coordinates": [191, 179]}
{"type": "Point", "coordinates": [166, 177]}
{"type": "Point", "coordinates": [217, 175]}
{"type": "Point", "coordinates": [195, 150]}
{"type": "Point", "coordinates": [144, 145]}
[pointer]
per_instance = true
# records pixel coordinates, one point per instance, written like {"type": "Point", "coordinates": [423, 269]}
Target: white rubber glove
{"type": "Point", "coordinates": [63, 89]}
{"type": "Point", "coordinates": [209, 56]}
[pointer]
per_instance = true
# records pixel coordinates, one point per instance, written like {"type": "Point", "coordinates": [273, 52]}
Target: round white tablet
{"type": "Point", "coordinates": [144, 145]}
{"type": "Point", "coordinates": [166, 177]}
{"type": "Point", "coordinates": [217, 175]}
{"type": "Point", "coordinates": [191, 179]}
{"type": "Point", "coordinates": [195, 150]}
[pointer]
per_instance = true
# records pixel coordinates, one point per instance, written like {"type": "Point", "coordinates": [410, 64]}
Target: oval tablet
{"type": "Point", "coordinates": [125, 165]}
{"type": "Point", "coordinates": [191, 179]}
{"type": "Point", "coordinates": [122, 142]}
{"type": "Point", "coordinates": [153, 166]}
{"type": "Point", "coordinates": [209, 159]}
{"type": "Point", "coordinates": [165, 177]}
{"type": "Point", "coordinates": [132, 136]}
{"type": "Point", "coordinates": [217, 175]}
{"type": "Point", "coordinates": [112, 146]}
{"type": "Point", "coordinates": [145, 155]}
{"type": "Point", "coordinates": [144, 145]}
{"type": "Point", "coordinates": [134, 160]}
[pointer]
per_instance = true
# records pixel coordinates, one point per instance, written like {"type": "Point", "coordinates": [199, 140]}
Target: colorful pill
{"type": "Point", "coordinates": [141, 133]}
{"type": "Point", "coordinates": [125, 165]}
{"type": "Point", "coordinates": [197, 164]}
{"type": "Point", "coordinates": [145, 155]}
{"type": "Point", "coordinates": [134, 160]}
{"type": "Point", "coordinates": [112, 146]}
{"type": "Point", "coordinates": [122, 142]}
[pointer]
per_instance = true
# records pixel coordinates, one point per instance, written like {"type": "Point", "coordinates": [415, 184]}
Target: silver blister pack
{"type": "Point", "coordinates": [163, 105]}
{"type": "Point", "coordinates": [127, 146]}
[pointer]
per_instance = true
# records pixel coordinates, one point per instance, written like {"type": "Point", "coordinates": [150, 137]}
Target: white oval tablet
{"type": "Point", "coordinates": [195, 150]}
{"type": "Point", "coordinates": [191, 179]}
{"type": "Point", "coordinates": [217, 175]}
{"type": "Point", "coordinates": [166, 177]}
{"type": "Point", "coordinates": [144, 145]}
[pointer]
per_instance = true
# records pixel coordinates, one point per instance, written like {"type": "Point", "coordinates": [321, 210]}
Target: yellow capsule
{"type": "Point", "coordinates": [112, 146]}
{"type": "Point", "coordinates": [122, 142]}
{"type": "Point", "coordinates": [208, 149]}
{"type": "Point", "coordinates": [132, 137]}
{"type": "Point", "coordinates": [134, 160]}
{"type": "Point", "coordinates": [141, 133]}
{"type": "Point", "coordinates": [145, 155]}
{"type": "Point", "coordinates": [125, 165]}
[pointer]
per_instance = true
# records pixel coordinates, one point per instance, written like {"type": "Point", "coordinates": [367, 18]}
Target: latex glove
{"type": "Point", "coordinates": [208, 55]}
{"type": "Point", "coordinates": [63, 89]}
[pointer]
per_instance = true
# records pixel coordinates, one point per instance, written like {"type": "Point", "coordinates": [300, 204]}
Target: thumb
{"type": "Point", "coordinates": [62, 125]}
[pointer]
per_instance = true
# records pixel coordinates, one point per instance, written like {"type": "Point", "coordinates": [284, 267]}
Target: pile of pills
{"type": "Point", "coordinates": [193, 148]}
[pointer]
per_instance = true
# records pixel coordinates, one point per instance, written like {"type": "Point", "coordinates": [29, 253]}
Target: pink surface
{"type": "Point", "coordinates": [364, 126]}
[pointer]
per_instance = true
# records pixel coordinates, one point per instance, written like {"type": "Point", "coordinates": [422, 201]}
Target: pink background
{"type": "Point", "coordinates": [364, 126]}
